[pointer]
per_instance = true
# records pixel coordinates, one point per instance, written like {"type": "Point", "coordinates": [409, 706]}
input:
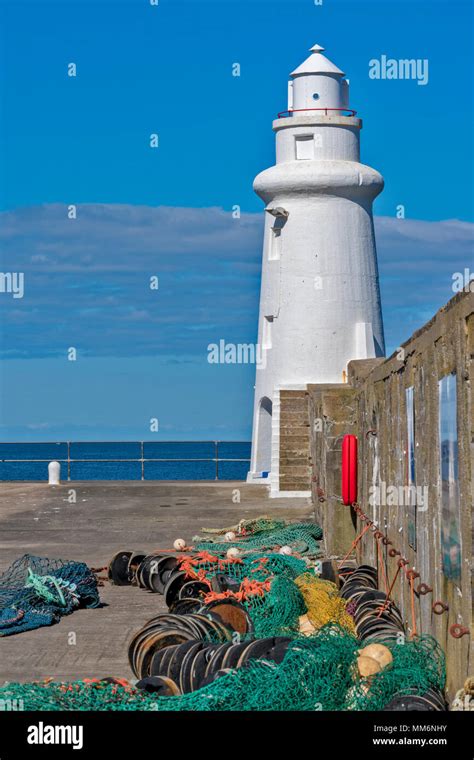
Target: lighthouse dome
{"type": "Point", "coordinates": [317, 84]}
{"type": "Point", "coordinates": [317, 63]}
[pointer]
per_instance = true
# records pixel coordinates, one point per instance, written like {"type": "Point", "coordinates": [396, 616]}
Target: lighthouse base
{"type": "Point", "coordinates": [289, 475]}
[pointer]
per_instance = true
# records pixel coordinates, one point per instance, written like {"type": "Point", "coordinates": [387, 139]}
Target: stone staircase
{"type": "Point", "coordinates": [294, 459]}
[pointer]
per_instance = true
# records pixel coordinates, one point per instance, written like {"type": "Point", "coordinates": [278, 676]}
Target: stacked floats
{"type": "Point", "coordinates": [374, 615]}
{"type": "Point", "coordinates": [158, 573]}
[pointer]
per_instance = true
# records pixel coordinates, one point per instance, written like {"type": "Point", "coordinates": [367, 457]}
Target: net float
{"type": "Point", "coordinates": [367, 666]}
{"type": "Point", "coordinates": [378, 652]}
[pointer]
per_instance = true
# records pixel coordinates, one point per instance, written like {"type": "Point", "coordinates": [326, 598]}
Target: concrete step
{"type": "Point", "coordinates": [292, 471]}
{"type": "Point", "coordinates": [295, 419]}
{"type": "Point", "coordinates": [294, 460]}
{"type": "Point", "coordinates": [294, 485]}
{"type": "Point", "coordinates": [295, 404]}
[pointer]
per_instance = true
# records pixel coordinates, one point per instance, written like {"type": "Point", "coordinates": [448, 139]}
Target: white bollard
{"type": "Point", "coordinates": [54, 473]}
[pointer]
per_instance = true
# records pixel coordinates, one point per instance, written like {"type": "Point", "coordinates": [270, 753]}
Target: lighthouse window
{"type": "Point", "coordinates": [316, 96]}
{"type": "Point", "coordinates": [267, 332]}
{"type": "Point", "coordinates": [304, 147]}
{"type": "Point", "coordinates": [275, 244]}
{"type": "Point", "coordinates": [275, 239]}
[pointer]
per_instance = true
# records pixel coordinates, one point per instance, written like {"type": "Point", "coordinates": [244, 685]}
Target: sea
{"type": "Point", "coordinates": [131, 460]}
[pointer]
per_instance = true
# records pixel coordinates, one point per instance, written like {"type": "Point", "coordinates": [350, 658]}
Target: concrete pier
{"type": "Point", "coordinates": [105, 518]}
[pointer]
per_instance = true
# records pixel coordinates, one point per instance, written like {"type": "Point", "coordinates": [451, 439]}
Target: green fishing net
{"type": "Point", "coordinates": [317, 673]}
{"type": "Point", "coordinates": [204, 565]}
{"type": "Point", "coordinates": [276, 609]}
{"type": "Point", "coordinates": [74, 695]}
{"type": "Point", "coordinates": [249, 527]}
{"type": "Point", "coordinates": [303, 538]}
{"type": "Point", "coordinates": [418, 665]}
{"type": "Point", "coordinates": [277, 612]}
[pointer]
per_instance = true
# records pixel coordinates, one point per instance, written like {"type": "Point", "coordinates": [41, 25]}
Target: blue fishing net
{"type": "Point", "coordinates": [36, 591]}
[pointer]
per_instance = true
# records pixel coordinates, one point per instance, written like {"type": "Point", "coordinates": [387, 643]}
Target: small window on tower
{"type": "Point", "coordinates": [316, 96]}
{"type": "Point", "coordinates": [304, 147]}
{"type": "Point", "coordinates": [275, 240]}
{"type": "Point", "coordinates": [267, 332]}
{"type": "Point", "coordinates": [275, 244]}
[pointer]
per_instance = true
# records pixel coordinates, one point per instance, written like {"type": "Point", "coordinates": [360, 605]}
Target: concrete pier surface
{"type": "Point", "coordinates": [108, 517]}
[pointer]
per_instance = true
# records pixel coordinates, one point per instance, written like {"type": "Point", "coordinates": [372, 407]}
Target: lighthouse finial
{"type": "Point", "coordinates": [316, 49]}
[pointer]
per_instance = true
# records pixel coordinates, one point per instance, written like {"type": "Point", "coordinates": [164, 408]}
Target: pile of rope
{"type": "Point", "coordinates": [317, 673]}
{"type": "Point", "coordinates": [464, 699]}
{"type": "Point", "coordinates": [262, 535]}
{"type": "Point", "coordinates": [36, 591]}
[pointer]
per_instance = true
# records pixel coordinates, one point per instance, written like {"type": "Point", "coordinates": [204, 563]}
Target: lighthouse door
{"type": "Point", "coordinates": [264, 436]}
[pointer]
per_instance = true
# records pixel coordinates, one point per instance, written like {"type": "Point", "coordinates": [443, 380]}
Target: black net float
{"type": "Point", "coordinates": [118, 569]}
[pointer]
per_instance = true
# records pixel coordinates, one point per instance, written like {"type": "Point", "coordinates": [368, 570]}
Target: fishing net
{"type": "Point", "coordinates": [204, 565]}
{"type": "Point", "coordinates": [36, 591]}
{"type": "Point", "coordinates": [266, 587]}
{"type": "Point", "coordinates": [89, 694]}
{"type": "Point", "coordinates": [249, 527]}
{"type": "Point", "coordinates": [323, 603]}
{"type": "Point", "coordinates": [303, 538]}
{"type": "Point", "coordinates": [418, 665]}
{"type": "Point", "coordinates": [314, 675]}
{"type": "Point", "coordinates": [317, 673]}
{"type": "Point", "coordinates": [276, 612]}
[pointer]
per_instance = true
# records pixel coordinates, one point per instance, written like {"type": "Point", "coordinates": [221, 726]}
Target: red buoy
{"type": "Point", "coordinates": [349, 469]}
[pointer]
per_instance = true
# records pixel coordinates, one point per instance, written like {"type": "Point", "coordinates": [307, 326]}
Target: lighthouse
{"type": "Point", "coordinates": [319, 301]}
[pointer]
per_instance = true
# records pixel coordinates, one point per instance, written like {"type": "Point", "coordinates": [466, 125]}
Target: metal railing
{"type": "Point", "coordinates": [290, 111]}
{"type": "Point", "coordinates": [142, 459]}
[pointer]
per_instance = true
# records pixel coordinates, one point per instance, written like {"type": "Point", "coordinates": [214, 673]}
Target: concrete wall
{"type": "Point", "coordinates": [332, 414]}
{"type": "Point", "coordinates": [373, 406]}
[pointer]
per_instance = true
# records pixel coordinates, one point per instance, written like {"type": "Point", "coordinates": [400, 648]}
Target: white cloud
{"type": "Point", "coordinates": [87, 280]}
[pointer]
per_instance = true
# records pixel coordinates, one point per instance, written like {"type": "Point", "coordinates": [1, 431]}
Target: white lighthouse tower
{"type": "Point", "coordinates": [319, 300]}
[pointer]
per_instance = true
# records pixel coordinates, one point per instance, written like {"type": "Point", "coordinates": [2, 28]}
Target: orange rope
{"type": "Point", "coordinates": [188, 564]}
{"type": "Point", "coordinates": [261, 567]}
{"type": "Point", "coordinates": [382, 564]}
{"type": "Point", "coordinates": [353, 546]}
{"type": "Point", "coordinates": [389, 592]}
{"type": "Point", "coordinates": [247, 589]}
{"type": "Point", "coordinates": [412, 601]}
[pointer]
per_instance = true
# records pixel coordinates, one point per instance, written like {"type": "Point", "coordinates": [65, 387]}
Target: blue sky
{"type": "Point", "coordinates": [166, 212]}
